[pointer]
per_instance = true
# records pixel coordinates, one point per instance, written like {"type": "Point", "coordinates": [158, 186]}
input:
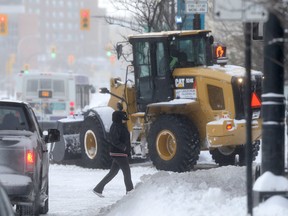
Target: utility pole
{"type": "Point", "coordinates": [273, 107]}
{"type": "Point", "coordinates": [273, 100]}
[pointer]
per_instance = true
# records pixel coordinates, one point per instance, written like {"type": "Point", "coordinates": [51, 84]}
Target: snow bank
{"type": "Point", "coordinates": [166, 193]}
{"type": "Point", "coordinates": [274, 206]}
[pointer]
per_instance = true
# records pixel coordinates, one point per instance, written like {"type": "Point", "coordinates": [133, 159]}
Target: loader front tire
{"type": "Point", "coordinates": [94, 148]}
{"type": "Point", "coordinates": [173, 143]}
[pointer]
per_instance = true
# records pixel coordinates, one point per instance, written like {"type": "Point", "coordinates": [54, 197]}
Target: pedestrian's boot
{"type": "Point", "coordinates": [98, 193]}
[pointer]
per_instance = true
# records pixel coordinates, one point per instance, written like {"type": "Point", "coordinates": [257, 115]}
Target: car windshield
{"type": "Point", "coordinates": [13, 118]}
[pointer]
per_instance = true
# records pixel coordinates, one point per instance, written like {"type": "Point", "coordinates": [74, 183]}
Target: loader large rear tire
{"type": "Point", "coordinates": [173, 143]}
{"type": "Point", "coordinates": [225, 156]}
{"type": "Point", "coordinates": [94, 148]}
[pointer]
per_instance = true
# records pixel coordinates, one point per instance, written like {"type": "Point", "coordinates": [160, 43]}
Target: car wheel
{"type": "Point", "coordinates": [28, 210]}
{"type": "Point", "coordinates": [33, 209]}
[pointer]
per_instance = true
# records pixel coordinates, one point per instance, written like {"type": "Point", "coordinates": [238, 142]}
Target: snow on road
{"type": "Point", "coordinates": [204, 192]}
{"type": "Point", "coordinates": [71, 189]}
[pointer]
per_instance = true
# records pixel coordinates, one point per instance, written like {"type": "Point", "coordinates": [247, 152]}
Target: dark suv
{"type": "Point", "coordinates": [24, 163]}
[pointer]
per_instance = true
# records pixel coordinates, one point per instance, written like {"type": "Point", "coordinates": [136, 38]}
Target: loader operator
{"type": "Point", "coordinates": [173, 56]}
{"type": "Point", "coordinates": [177, 58]}
{"type": "Point", "coordinates": [119, 151]}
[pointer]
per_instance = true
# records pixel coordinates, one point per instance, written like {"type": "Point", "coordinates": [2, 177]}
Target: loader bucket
{"type": "Point", "coordinates": [68, 146]}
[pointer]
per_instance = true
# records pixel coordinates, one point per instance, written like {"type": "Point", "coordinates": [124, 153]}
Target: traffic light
{"type": "Point", "coordinates": [3, 24]}
{"type": "Point", "coordinates": [108, 53]}
{"type": "Point", "coordinates": [53, 52]}
{"type": "Point", "coordinates": [85, 19]}
{"type": "Point", "coordinates": [220, 51]}
{"type": "Point", "coordinates": [71, 59]}
{"type": "Point", "coordinates": [26, 68]}
{"type": "Point", "coordinates": [112, 59]}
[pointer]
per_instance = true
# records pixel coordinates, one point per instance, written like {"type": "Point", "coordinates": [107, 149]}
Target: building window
{"type": "Point", "coordinates": [69, 37]}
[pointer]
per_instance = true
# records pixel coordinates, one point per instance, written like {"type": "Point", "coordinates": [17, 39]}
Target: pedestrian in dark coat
{"type": "Point", "coordinates": [119, 151]}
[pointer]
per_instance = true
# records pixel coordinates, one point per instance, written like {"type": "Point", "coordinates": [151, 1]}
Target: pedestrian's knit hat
{"type": "Point", "coordinates": [118, 116]}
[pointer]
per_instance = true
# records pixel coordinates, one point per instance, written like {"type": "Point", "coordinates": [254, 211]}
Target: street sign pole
{"type": "Point", "coordinates": [196, 22]}
{"type": "Point", "coordinates": [192, 13]}
{"type": "Point", "coordinates": [248, 117]}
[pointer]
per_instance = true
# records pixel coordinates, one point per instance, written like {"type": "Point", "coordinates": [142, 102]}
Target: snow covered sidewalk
{"type": "Point", "coordinates": [217, 191]}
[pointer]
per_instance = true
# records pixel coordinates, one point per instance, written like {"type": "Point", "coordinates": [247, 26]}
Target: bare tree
{"type": "Point", "coordinates": [159, 15]}
{"type": "Point", "coordinates": [232, 34]}
{"type": "Point", "coordinates": [145, 15]}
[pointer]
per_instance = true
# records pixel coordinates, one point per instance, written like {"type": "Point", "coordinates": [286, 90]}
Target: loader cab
{"type": "Point", "coordinates": [154, 60]}
{"type": "Point", "coordinates": [153, 77]}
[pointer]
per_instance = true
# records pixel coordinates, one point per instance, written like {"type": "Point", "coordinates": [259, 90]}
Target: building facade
{"type": "Point", "coordinates": [38, 27]}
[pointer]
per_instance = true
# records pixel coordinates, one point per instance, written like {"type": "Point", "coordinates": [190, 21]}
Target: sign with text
{"type": "Point", "coordinates": [239, 10]}
{"type": "Point", "coordinates": [196, 7]}
{"type": "Point", "coordinates": [45, 94]}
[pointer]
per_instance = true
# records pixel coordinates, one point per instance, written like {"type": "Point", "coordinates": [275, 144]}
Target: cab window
{"type": "Point", "coordinates": [161, 63]}
{"type": "Point", "coordinates": [216, 97]}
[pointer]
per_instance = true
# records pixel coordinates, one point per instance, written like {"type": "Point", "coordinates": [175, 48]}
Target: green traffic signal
{"type": "Point", "coordinates": [53, 55]}
{"type": "Point", "coordinates": [53, 52]}
{"type": "Point", "coordinates": [108, 53]}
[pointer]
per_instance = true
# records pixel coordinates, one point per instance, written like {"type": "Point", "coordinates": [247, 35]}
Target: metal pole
{"type": "Point", "coordinates": [248, 116]}
{"type": "Point", "coordinates": [196, 22]}
{"type": "Point", "coordinates": [273, 100]}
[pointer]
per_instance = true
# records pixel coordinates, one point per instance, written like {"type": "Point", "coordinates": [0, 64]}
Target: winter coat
{"type": "Point", "coordinates": [119, 136]}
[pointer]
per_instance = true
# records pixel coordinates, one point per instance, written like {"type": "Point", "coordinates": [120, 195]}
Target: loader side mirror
{"type": "Point", "coordinates": [104, 90]}
{"type": "Point", "coordinates": [211, 39]}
